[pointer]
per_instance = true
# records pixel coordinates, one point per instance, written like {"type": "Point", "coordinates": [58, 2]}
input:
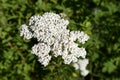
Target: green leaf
{"type": "Point", "coordinates": [109, 67]}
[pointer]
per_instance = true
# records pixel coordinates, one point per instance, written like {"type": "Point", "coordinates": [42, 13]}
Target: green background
{"type": "Point", "coordinates": [100, 19]}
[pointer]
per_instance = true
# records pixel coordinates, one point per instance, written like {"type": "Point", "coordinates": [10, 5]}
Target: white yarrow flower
{"type": "Point", "coordinates": [52, 35]}
{"type": "Point", "coordinates": [84, 73]}
{"type": "Point", "coordinates": [24, 31]}
{"type": "Point", "coordinates": [82, 64]}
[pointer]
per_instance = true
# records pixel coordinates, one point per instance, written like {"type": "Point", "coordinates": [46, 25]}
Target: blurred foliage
{"type": "Point", "coordinates": [98, 18]}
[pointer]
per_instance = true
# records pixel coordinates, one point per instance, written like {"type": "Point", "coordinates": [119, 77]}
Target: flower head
{"type": "Point", "coordinates": [52, 35]}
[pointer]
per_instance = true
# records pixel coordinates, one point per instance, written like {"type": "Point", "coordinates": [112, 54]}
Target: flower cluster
{"type": "Point", "coordinates": [52, 35]}
{"type": "Point", "coordinates": [81, 64]}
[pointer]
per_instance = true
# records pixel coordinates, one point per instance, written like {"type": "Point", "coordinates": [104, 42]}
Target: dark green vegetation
{"type": "Point", "coordinates": [100, 19]}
